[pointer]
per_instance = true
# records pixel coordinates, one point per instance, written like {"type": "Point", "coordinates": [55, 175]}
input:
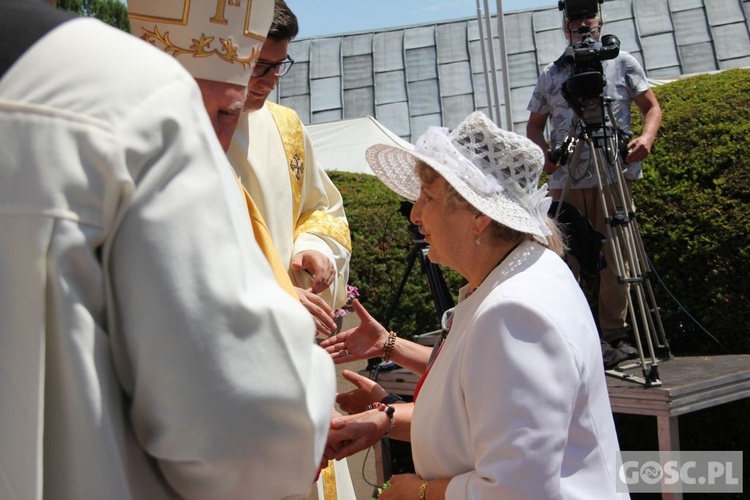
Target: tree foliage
{"type": "Point", "coordinates": [112, 12]}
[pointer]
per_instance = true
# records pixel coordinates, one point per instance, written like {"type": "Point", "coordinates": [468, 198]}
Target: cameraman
{"type": "Point", "coordinates": [625, 82]}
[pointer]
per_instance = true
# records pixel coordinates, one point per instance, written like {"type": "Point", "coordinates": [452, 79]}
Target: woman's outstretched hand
{"type": "Point", "coordinates": [363, 342]}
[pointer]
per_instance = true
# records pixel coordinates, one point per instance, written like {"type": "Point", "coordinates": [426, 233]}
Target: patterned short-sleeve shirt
{"type": "Point", "coordinates": [625, 80]}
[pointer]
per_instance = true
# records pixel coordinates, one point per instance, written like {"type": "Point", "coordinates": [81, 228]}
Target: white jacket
{"type": "Point", "coordinates": [515, 405]}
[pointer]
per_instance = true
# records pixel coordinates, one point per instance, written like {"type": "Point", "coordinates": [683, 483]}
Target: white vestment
{"type": "Point", "coordinates": [146, 351]}
{"type": "Point", "coordinates": [260, 158]}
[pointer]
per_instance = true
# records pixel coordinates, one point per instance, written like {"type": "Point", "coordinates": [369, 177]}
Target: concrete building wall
{"type": "Point", "coordinates": [413, 77]}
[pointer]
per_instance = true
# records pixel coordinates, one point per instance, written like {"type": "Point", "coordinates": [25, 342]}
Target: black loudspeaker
{"type": "Point", "coordinates": [397, 454]}
{"type": "Point", "coordinates": [396, 458]}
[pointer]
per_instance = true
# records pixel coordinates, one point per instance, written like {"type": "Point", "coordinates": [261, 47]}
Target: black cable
{"type": "Point", "coordinates": [364, 462]}
{"type": "Point", "coordinates": [664, 286]}
{"type": "Point", "coordinates": [586, 174]}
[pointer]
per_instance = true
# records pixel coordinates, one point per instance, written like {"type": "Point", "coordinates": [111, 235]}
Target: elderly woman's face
{"type": "Point", "coordinates": [445, 227]}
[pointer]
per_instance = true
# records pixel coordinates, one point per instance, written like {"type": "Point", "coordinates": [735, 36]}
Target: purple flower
{"type": "Point", "coordinates": [352, 292]}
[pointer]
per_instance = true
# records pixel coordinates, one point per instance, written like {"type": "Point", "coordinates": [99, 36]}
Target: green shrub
{"type": "Point", "coordinates": [693, 211]}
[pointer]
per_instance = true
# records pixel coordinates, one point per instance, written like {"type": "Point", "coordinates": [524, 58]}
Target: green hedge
{"type": "Point", "coordinates": [693, 213]}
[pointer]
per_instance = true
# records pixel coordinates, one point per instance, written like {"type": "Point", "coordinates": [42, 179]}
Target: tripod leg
{"type": "Point", "coordinates": [616, 219]}
{"type": "Point", "coordinates": [649, 312]}
{"type": "Point", "coordinates": [439, 288]}
{"type": "Point", "coordinates": [625, 251]}
{"type": "Point", "coordinates": [618, 208]}
{"type": "Point", "coordinates": [435, 279]}
{"type": "Point", "coordinates": [661, 338]}
{"type": "Point", "coordinates": [394, 302]}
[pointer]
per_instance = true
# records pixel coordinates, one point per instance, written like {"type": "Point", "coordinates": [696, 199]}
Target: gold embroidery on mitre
{"type": "Point", "coordinates": [326, 224]}
{"type": "Point", "coordinates": [247, 23]}
{"type": "Point", "coordinates": [201, 47]}
{"type": "Point", "coordinates": [221, 7]}
{"type": "Point", "coordinates": [219, 17]}
{"type": "Point", "coordinates": [181, 21]}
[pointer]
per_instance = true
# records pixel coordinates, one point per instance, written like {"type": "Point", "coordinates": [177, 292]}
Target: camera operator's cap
{"type": "Point", "coordinates": [496, 171]}
{"type": "Point", "coordinates": [216, 40]}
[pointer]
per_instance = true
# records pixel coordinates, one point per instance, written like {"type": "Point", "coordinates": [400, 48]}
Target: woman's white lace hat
{"type": "Point", "coordinates": [496, 171]}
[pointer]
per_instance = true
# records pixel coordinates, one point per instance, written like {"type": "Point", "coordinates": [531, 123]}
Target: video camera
{"type": "Point", "coordinates": [583, 90]}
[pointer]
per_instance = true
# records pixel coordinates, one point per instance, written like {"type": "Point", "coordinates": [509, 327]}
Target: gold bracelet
{"type": "Point", "coordinates": [388, 346]}
{"type": "Point", "coordinates": [423, 490]}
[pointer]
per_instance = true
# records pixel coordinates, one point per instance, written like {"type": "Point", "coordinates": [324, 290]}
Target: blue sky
{"type": "Point", "coordinates": [327, 17]}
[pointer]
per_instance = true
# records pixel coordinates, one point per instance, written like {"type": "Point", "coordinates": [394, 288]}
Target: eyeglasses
{"type": "Point", "coordinates": [280, 68]}
{"type": "Point", "coordinates": [584, 26]}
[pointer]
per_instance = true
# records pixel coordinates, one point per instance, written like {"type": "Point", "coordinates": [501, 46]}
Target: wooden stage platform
{"type": "Point", "coordinates": [688, 384]}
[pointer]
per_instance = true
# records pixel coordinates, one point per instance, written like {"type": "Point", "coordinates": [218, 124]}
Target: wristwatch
{"type": "Point", "coordinates": [391, 398]}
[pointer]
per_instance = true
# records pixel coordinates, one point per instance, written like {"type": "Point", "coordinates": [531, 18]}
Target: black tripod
{"type": "Point", "coordinates": [438, 287]}
{"type": "Point", "coordinates": [440, 293]}
{"type": "Point", "coordinates": [605, 143]}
